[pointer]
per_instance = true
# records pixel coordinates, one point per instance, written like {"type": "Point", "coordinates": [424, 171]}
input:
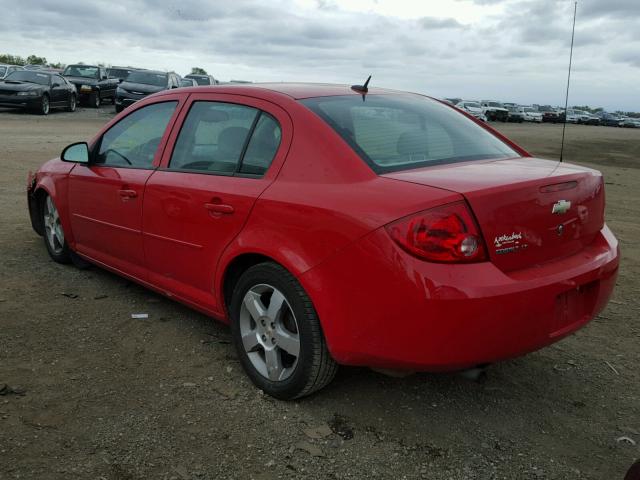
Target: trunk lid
{"type": "Point", "coordinates": [530, 211]}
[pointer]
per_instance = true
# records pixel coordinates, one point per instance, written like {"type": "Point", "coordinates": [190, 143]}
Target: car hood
{"type": "Point", "coordinates": [15, 86]}
{"type": "Point", "coordinates": [141, 87]}
{"type": "Point", "coordinates": [82, 80]}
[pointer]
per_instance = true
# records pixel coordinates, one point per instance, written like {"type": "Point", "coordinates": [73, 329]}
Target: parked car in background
{"type": "Point", "coordinates": [515, 115]}
{"type": "Point", "coordinates": [38, 91]}
{"type": "Point", "coordinates": [141, 83]}
{"type": "Point", "coordinates": [572, 116]}
{"type": "Point", "coordinates": [630, 122]}
{"type": "Point", "coordinates": [5, 70]}
{"type": "Point", "coordinates": [188, 82]}
{"type": "Point", "coordinates": [550, 114]}
{"type": "Point", "coordinates": [473, 108]}
{"type": "Point", "coordinates": [609, 119]}
{"type": "Point", "coordinates": [203, 79]}
{"type": "Point", "coordinates": [33, 67]}
{"type": "Point", "coordinates": [531, 114]}
{"type": "Point", "coordinates": [92, 83]}
{"type": "Point", "coordinates": [120, 73]}
{"type": "Point", "coordinates": [494, 110]}
{"type": "Point", "coordinates": [484, 253]}
{"type": "Point", "coordinates": [585, 117]}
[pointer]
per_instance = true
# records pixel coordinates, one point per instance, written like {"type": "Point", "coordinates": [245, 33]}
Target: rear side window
{"type": "Point", "coordinates": [262, 147]}
{"type": "Point", "coordinates": [226, 138]}
{"type": "Point", "coordinates": [400, 132]}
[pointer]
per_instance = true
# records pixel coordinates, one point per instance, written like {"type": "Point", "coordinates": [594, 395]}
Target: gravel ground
{"type": "Point", "coordinates": [93, 394]}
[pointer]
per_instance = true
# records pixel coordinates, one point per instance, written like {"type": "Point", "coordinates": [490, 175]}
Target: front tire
{"type": "Point", "coordinates": [45, 106]}
{"type": "Point", "coordinates": [53, 233]}
{"type": "Point", "coordinates": [94, 100]}
{"type": "Point", "coordinates": [277, 334]}
{"type": "Point", "coordinates": [73, 103]}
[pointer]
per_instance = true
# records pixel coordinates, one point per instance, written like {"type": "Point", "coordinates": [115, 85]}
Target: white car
{"type": "Point", "coordinates": [531, 114]}
{"type": "Point", "coordinates": [473, 108]}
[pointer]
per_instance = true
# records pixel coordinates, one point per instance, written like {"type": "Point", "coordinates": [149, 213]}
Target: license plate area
{"type": "Point", "coordinates": [574, 307]}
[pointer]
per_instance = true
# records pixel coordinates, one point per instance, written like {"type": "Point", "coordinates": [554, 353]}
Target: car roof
{"type": "Point", "coordinates": [297, 91]}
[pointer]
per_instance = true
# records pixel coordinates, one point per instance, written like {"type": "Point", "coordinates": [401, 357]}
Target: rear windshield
{"type": "Point", "coordinates": [400, 132]}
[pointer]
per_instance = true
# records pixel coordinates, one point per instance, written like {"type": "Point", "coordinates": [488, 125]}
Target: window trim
{"type": "Point", "coordinates": [167, 129]}
{"type": "Point", "coordinates": [237, 172]}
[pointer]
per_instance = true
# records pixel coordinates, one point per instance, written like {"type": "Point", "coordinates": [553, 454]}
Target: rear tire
{"type": "Point", "coordinates": [280, 345]}
{"type": "Point", "coordinates": [54, 238]}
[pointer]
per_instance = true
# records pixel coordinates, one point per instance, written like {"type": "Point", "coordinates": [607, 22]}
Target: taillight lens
{"type": "Point", "coordinates": [442, 234]}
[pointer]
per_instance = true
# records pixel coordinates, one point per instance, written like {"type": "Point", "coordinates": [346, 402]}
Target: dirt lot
{"type": "Point", "coordinates": [103, 396]}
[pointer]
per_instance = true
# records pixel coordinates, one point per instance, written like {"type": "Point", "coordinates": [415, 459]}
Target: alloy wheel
{"type": "Point", "coordinates": [53, 228]}
{"type": "Point", "coordinates": [269, 332]}
{"type": "Point", "coordinates": [45, 105]}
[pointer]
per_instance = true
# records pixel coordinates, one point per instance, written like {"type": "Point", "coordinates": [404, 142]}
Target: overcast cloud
{"type": "Point", "coordinates": [510, 50]}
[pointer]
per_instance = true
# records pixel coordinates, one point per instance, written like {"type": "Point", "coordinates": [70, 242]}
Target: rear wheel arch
{"type": "Point", "coordinates": [234, 270]}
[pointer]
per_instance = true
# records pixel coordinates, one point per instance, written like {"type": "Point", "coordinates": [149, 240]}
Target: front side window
{"type": "Point", "coordinates": [134, 140]}
{"type": "Point", "coordinates": [400, 132]}
{"type": "Point", "coordinates": [213, 137]}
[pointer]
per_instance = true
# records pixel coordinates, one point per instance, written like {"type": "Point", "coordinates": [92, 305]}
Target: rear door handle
{"type": "Point", "coordinates": [128, 193]}
{"type": "Point", "coordinates": [219, 208]}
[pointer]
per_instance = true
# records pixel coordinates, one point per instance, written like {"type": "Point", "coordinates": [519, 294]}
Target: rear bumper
{"type": "Point", "coordinates": [380, 307]}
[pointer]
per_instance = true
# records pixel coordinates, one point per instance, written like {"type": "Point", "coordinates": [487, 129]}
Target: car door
{"type": "Point", "coordinates": [59, 91]}
{"type": "Point", "coordinates": [106, 195]}
{"type": "Point", "coordinates": [226, 152]}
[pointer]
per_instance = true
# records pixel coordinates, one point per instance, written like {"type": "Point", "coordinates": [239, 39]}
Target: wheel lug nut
{"type": "Point", "coordinates": [273, 340]}
{"type": "Point", "coordinates": [273, 325]}
{"type": "Point", "coordinates": [262, 321]}
{"type": "Point", "coordinates": [264, 338]}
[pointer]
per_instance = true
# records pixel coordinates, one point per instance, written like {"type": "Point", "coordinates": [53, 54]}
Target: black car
{"type": "Point", "coordinates": [188, 82]}
{"type": "Point", "coordinates": [203, 79]}
{"type": "Point", "coordinates": [141, 83]}
{"type": "Point", "coordinates": [92, 83]}
{"type": "Point", "coordinates": [38, 91]}
{"type": "Point", "coordinates": [610, 120]}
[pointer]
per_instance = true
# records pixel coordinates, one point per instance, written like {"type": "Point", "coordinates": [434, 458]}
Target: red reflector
{"type": "Point", "coordinates": [443, 234]}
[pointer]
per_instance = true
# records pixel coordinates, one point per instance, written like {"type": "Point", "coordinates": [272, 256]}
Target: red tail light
{"type": "Point", "coordinates": [443, 234]}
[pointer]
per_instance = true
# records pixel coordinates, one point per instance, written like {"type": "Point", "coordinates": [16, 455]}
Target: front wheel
{"type": "Point", "coordinates": [44, 107]}
{"type": "Point", "coordinates": [277, 334]}
{"type": "Point", "coordinates": [53, 232]}
{"type": "Point", "coordinates": [94, 99]}
{"type": "Point", "coordinates": [72, 104]}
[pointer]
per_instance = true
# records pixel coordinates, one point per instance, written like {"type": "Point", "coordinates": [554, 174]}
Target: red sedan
{"type": "Point", "coordinates": [330, 225]}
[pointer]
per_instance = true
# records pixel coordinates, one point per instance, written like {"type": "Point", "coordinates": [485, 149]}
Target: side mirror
{"type": "Point", "coordinates": [76, 152]}
{"type": "Point", "coordinates": [174, 86]}
{"type": "Point", "coordinates": [120, 80]}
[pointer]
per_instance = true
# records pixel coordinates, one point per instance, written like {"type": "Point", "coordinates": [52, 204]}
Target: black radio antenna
{"type": "Point", "coordinates": [566, 98]}
{"type": "Point", "coordinates": [363, 89]}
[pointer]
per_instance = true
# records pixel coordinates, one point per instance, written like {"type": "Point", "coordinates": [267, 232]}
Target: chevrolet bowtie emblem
{"type": "Point", "coordinates": [561, 206]}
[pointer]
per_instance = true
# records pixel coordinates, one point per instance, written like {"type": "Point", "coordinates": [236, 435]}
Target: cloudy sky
{"type": "Point", "coordinates": [510, 50]}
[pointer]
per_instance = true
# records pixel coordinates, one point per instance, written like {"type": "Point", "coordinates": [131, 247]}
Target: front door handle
{"type": "Point", "coordinates": [219, 208]}
{"type": "Point", "coordinates": [127, 193]}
